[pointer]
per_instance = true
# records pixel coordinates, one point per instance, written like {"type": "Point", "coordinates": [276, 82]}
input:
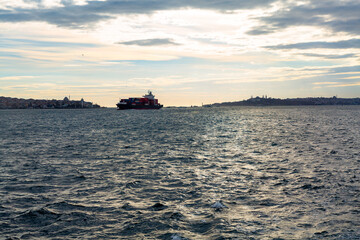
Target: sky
{"type": "Point", "coordinates": [187, 52]}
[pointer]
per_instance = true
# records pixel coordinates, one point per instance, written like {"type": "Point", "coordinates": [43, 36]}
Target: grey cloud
{"type": "Point", "coordinates": [59, 16]}
{"type": "Point", "coordinates": [339, 16]}
{"type": "Point", "coordinates": [75, 16]}
{"type": "Point", "coordinates": [335, 69]}
{"type": "Point", "coordinates": [150, 42]}
{"type": "Point", "coordinates": [8, 16]}
{"type": "Point", "coordinates": [344, 69]}
{"type": "Point", "coordinates": [262, 31]}
{"type": "Point", "coordinates": [330, 56]}
{"type": "Point", "coordinates": [352, 43]}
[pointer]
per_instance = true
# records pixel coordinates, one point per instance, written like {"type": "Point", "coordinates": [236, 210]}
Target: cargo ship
{"type": "Point", "coordinates": [148, 101]}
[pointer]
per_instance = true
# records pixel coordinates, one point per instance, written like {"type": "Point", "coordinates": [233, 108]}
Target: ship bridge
{"type": "Point", "coordinates": [149, 95]}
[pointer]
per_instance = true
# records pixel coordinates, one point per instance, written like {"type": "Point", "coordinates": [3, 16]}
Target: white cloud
{"type": "Point", "coordinates": [52, 3]}
{"type": "Point", "coordinates": [325, 83]}
{"type": "Point", "coordinates": [353, 77]}
{"type": "Point", "coordinates": [15, 78]}
{"type": "Point", "coordinates": [7, 5]}
{"type": "Point", "coordinates": [344, 85]}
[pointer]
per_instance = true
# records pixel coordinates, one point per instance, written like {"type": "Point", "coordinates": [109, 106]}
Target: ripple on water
{"type": "Point", "coordinates": [221, 173]}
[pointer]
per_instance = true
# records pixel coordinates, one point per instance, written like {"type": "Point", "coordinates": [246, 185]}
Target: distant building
{"type": "Point", "coordinates": [15, 103]}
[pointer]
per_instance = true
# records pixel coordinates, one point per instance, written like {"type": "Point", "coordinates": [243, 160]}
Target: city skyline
{"type": "Point", "coordinates": [187, 53]}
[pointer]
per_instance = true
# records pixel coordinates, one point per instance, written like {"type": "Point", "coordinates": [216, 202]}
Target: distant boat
{"type": "Point", "coordinates": [148, 101]}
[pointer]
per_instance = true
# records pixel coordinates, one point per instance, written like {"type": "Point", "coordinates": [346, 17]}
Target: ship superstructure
{"type": "Point", "coordinates": [148, 101]}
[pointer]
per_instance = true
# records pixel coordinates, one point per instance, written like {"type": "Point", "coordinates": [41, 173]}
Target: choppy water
{"type": "Point", "coordinates": [224, 173]}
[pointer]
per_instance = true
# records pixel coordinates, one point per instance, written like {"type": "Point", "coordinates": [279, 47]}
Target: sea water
{"type": "Point", "coordinates": [193, 173]}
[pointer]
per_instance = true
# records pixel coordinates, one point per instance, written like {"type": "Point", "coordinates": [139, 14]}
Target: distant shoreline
{"type": "Point", "coordinates": [311, 101]}
{"type": "Point", "coordinates": [66, 103]}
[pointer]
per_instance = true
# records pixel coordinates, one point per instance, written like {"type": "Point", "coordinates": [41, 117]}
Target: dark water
{"type": "Point", "coordinates": [224, 173]}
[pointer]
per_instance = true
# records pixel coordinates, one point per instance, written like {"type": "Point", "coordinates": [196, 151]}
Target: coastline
{"type": "Point", "coordinates": [66, 103]}
{"type": "Point", "coordinates": [310, 101]}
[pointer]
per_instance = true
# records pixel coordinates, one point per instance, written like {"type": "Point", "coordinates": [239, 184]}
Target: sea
{"type": "Point", "coordinates": [181, 173]}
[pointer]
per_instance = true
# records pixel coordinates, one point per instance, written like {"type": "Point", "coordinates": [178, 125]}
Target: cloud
{"type": "Point", "coordinates": [345, 70]}
{"type": "Point", "coordinates": [353, 77]}
{"type": "Point", "coordinates": [261, 31]}
{"type": "Point", "coordinates": [332, 70]}
{"type": "Point", "coordinates": [15, 78]}
{"type": "Point", "coordinates": [325, 83]}
{"type": "Point", "coordinates": [330, 56]}
{"type": "Point", "coordinates": [150, 42]}
{"type": "Point", "coordinates": [344, 85]}
{"type": "Point", "coordinates": [15, 42]}
{"type": "Point", "coordinates": [67, 16]}
{"type": "Point", "coordinates": [352, 43]}
{"type": "Point", "coordinates": [338, 16]}
{"type": "Point", "coordinates": [78, 16]}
